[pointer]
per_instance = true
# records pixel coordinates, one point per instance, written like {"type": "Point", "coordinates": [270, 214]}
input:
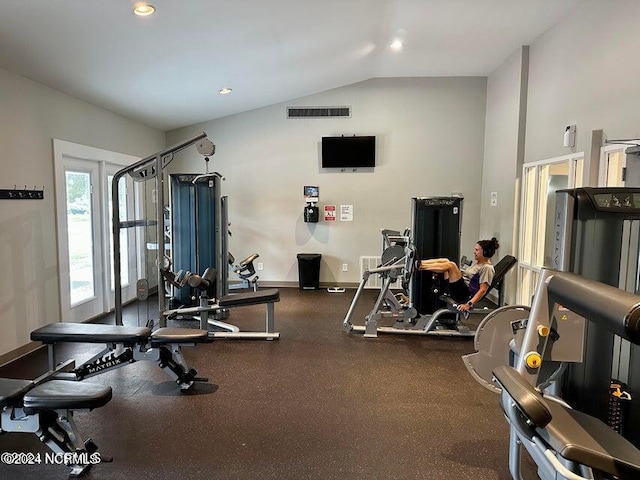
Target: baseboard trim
{"type": "Point", "coordinates": [19, 352]}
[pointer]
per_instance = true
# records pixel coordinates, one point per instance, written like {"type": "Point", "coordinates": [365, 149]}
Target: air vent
{"type": "Point", "coordinates": [318, 112]}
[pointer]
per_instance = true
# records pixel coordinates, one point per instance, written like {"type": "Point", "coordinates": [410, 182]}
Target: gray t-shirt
{"type": "Point", "coordinates": [477, 274]}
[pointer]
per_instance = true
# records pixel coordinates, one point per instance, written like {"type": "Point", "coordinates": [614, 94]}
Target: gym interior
{"type": "Point", "coordinates": [236, 294]}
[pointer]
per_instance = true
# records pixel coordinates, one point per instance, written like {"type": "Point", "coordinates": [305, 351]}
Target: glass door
{"type": "Point", "coordinates": [83, 177]}
{"type": "Point", "coordinates": [613, 162]}
{"type": "Point", "coordinates": [540, 181]}
{"type": "Point", "coordinates": [81, 276]}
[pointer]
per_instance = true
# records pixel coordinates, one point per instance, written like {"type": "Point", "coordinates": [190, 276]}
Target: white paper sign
{"type": "Point", "coordinates": [346, 213]}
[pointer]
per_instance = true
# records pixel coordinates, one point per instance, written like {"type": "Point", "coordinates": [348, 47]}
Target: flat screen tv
{"type": "Point", "coordinates": [348, 152]}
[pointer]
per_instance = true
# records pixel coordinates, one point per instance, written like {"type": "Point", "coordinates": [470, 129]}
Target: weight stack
{"type": "Point", "coordinates": [618, 408]}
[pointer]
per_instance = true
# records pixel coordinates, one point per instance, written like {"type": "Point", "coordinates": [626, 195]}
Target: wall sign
{"type": "Point", "coordinates": [329, 213]}
{"type": "Point", "coordinates": [346, 213]}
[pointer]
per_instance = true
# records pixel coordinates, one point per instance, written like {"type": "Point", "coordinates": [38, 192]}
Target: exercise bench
{"type": "Point", "coordinates": [125, 345]}
{"type": "Point", "coordinates": [45, 408]}
{"type": "Point", "coordinates": [206, 308]}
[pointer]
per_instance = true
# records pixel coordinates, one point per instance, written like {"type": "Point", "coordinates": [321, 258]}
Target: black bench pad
{"type": "Point", "coordinates": [65, 394]}
{"type": "Point", "coordinates": [585, 439]}
{"type": "Point", "coordinates": [529, 400]}
{"type": "Point", "coordinates": [90, 333]}
{"type": "Point", "coordinates": [250, 298]}
{"type": "Point", "coordinates": [576, 436]}
{"type": "Point", "coordinates": [166, 335]}
{"type": "Point", "coordinates": [11, 390]}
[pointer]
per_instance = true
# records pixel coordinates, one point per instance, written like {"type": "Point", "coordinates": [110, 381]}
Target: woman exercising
{"type": "Point", "coordinates": [470, 286]}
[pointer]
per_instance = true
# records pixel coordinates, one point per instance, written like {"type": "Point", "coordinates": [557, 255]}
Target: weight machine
{"type": "Point", "coordinates": [399, 261]}
{"type": "Point", "coordinates": [591, 364]}
{"type": "Point", "coordinates": [421, 308]}
{"type": "Point", "coordinates": [564, 444]}
{"type": "Point", "coordinates": [149, 168]}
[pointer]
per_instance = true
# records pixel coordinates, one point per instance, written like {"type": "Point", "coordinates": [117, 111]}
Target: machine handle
{"type": "Point", "coordinates": [614, 309]}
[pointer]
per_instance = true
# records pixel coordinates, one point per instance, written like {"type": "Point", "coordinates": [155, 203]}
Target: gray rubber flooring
{"type": "Point", "coordinates": [316, 404]}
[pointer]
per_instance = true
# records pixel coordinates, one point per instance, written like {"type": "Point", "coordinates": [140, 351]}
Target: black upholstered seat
{"type": "Point", "coordinates": [585, 439]}
{"type": "Point", "coordinates": [90, 333]}
{"type": "Point", "coordinates": [250, 298]}
{"type": "Point", "coordinates": [576, 436]}
{"type": "Point", "coordinates": [164, 336]}
{"type": "Point", "coordinates": [501, 269]}
{"type": "Point", "coordinates": [11, 390]}
{"type": "Point", "coordinates": [66, 395]}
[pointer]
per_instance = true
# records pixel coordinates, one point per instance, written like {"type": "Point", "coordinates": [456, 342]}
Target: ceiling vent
{"type": "Point", "coordinates": [318, 112]}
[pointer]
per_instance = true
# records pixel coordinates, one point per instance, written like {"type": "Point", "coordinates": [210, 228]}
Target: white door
{"type": "Point", "coordinates": [80, 237]}
{"type": "Point", "coordinates": [83, 208]}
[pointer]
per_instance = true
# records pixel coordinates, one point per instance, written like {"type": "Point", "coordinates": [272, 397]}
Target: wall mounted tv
{"type": "Point", "coordinates": [349, 152]}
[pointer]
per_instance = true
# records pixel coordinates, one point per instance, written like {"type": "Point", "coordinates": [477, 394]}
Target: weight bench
{"type": "Point", "coordinates": [553, 428]}
{"type": "Point", "coordinates": [45, 408]}
{"type": "Point", "coordinates": [125, 345]}
{"type": "Point", "coordinates": [268, 296]}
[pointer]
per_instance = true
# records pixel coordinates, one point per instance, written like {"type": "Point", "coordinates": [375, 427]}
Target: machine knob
{"type": "Point", "coordinates": [543, 330]}
{"type": "Point", "coordinates": [533, 360]}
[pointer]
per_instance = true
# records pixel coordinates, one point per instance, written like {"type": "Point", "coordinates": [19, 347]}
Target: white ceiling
{"type": "Point", "coordinates": [165, 70]}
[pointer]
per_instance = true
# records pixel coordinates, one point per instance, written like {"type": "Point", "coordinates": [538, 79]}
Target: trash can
{"type": "Point", "coordinates": [309, 270]}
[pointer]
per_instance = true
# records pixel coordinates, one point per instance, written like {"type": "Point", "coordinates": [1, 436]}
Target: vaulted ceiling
{"type": "Point", "coordinates": [166, 70]}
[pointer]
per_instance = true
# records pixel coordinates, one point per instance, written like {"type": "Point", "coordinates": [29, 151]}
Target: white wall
{"type": "Point", "coordinates": [430, 134]}
{"type": "Point", "coordinates": [31, 115]}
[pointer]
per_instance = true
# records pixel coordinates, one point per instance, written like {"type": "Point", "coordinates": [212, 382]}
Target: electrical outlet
{"type": "Point", "coordinates": [345, 267]}
{"type": "Point", "coordinates": [260, 266]}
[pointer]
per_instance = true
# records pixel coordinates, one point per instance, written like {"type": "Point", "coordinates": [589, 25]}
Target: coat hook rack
{"type": "Point", "coordinates": [16, 193]}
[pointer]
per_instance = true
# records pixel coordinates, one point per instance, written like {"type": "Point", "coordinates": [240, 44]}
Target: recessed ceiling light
{"type": "Point", "coordinates": [397, 44]}
{"type": "Point", "coordinates": [144, 9]}
{"type": "Point", "coordinates": [224, 91]}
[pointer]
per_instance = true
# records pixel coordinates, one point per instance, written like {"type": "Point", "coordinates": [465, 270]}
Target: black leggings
{"type": "Point", "coordinates": [459, 291]}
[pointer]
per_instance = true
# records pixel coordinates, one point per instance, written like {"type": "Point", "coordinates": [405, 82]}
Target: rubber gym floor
{"type": "Point", "coordinates": [316, 404]}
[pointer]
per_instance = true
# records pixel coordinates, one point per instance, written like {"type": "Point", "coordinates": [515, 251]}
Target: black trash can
{"type": "Point", "coordinates": [309, 270]}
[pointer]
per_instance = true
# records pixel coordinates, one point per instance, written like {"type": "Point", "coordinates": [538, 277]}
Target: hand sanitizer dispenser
{"type": "Point", "coordinates": [311, 197]}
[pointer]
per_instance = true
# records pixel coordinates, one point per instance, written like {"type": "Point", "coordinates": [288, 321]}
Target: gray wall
{"type": "Point", "coordinates": [585, 71]}
{"type": "Point", "coordinates": [582, 72]}
{"type": "Point", "coordinates": [430, 135]}
{"type": "Point", "coordinates": [31, 115]}
{"type": "Point", "coordinates": [503, 155]}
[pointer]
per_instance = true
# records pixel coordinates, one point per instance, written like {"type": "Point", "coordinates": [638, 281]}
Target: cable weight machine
{"type": "Point", "coordinates": [149, 168]}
